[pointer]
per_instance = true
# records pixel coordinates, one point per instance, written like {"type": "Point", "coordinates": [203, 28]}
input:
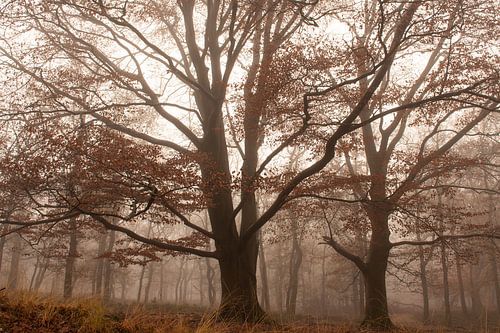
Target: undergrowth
{"type": "Point", "coordinates": [22, 312]}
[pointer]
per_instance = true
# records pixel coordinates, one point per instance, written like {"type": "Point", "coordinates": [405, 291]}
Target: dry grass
{"type": "Point", "coordinates": [28, 312]}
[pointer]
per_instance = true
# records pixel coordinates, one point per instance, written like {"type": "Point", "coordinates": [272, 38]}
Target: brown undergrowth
{"type": "Point", "coordinates": [28, 312]}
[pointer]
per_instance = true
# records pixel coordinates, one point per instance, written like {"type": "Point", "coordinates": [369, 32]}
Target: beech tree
{"type": "Point", "coordinates": [402, 153]}
{"type": "Point", "coordinates": [118, 62]}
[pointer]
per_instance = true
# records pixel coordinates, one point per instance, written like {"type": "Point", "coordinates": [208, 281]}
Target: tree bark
{"type": "Point", "coordinates": [376, 308]}
{"type": "Point", "coordinates": [70, 259]}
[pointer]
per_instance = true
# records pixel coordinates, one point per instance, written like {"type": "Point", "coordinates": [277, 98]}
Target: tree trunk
{"type": "Point", "coordinates": [70, 259]}
{"type": "Point", "coordinates": [476, 306]}
{"type": "Point", "coordinates": [239, 291]}
{"type": "Point", "coordinates": [41, 273]}
{"type": "Point", "coordinates": [461, 290]}
{"type": "Point", "coordinates": [141, 279]}
{"type": "Point", "coordinates": [210, 279]}
{"type": "Point", "coordinates": [35, 270]}
{"type": "Point", "coordinates": [97, 281]}
{"type": "Point", "coordinates": [108, 269]}
{"type": "Point", "coordinates": [263, 278]}
{"type": "Point", "coordinates": [295, 262]}
{"type": "Point", "coordinates": [13, 279]}
{"type": "Point", "coordinates": [149, 282]}
{"type": "Point", "coordinates": [162, 277]}
{"type": "Point", "coordinates": [424, 283]}
{"type": "Point", "coordinates": [3, 239]}
{"type": "Point", "coordinates": [376, 308]}
{"type": "Point", "coordinates": [496, 283]}
{"type": "Point", "coordinates": [446, 286]}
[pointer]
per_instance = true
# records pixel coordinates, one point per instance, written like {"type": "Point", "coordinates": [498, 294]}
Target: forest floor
{"type": "Point", "coordinates": [25, 312]}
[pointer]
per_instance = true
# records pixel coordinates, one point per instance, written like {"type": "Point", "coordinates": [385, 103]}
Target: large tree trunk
{"type": "Point", "coordinates": [239, 291]}
{"type": "Point", "coordinates": [70, 260]}
{"type": "Point", "coordinates": [376, 308]}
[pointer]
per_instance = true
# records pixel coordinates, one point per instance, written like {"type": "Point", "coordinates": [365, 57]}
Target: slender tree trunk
{"type": "Point", "coordinates": [424, 284]}
{"type": "Point", "coordinates": [423, 279]}
{"type": "Point", "coordinates": [323, 283]}
{"type": "Point", "coordinates": [496, 283]}
{"type": "Point", "coordinates": [141, 279]}
{"type": "Point", "coordinates": [210, 279]}
{"type": "Point", "coordinates": [361, 296]}
{"type": "Point", "coordinates": [263, 279]}
{"type": "Point", "coordinates": [461, 289]}
{"type": "Point", "coordinates": [278, 283]}
{"type": "Point", "coordinates": [35, 270]}
{"type": "Point", "coordinates": [492, 253]}
{"type": "Point", "coordinates": [149, 282]}
{"type": "Point", "coordinates": [446, 286]}
{"type": "Point", "coordinates": [476, 306]}
{"type": "Point", "coordinates": [41, 273]}
{"type": "Point", "coordinates": [108, 269]}
{"type": "Point", "coordinates": [295, 262]}
{"type": "Point", "coordinates": [70, 259]}
{"type": "Point", "coordinates": [13, 278]}
{"type": "Point", "coordinates": [3, 240]}
{"type": "Point", "coordinates": [99, 265]}
{"type": "Point", "coordinates": [162, 277]}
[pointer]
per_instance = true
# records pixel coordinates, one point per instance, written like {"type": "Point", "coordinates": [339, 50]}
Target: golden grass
{"type": "Point", "coordinates": [29, 312]}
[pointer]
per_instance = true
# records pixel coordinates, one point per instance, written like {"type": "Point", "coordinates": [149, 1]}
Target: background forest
{"type": "Point", "coordinates": [335, 160]}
